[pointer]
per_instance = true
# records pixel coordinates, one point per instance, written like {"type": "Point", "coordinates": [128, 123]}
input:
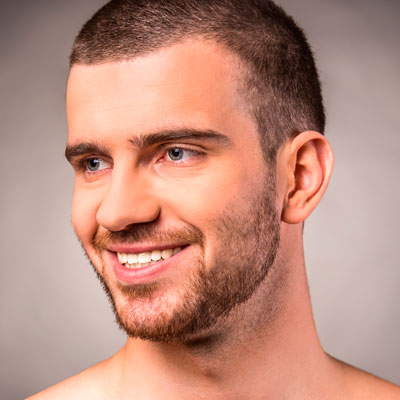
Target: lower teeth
{"type": "Point", "coordinates": [139, 265]}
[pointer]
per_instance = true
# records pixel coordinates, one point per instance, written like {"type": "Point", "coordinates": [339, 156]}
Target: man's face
{"type": "Point", "coordinates": [173, 202]}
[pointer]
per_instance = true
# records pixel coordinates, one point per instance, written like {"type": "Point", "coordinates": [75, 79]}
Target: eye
{"type": "Point", "coordinates": [96, 164]}
{"type": "Point", "coordinates": [178, 154]}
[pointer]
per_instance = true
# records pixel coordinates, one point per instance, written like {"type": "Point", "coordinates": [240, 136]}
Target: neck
{"type": "Point", "coordinates": [275, 355]}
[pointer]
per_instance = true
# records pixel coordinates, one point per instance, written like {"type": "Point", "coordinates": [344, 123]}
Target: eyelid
{"type": "Point", "coordinates": [184, 146]}
{"type": "Point", "coordinates": [81, 165]}
{"type": "Point", "coordinates": [189, 148]}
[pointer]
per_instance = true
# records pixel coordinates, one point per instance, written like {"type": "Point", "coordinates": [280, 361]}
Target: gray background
{"type": "Point", "coordinates": [55, 320]}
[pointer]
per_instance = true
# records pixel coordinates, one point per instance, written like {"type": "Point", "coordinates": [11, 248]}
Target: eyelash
{"type": "Point", "coordinates": [195, 153]}
{"type": "Point", "coordinates": [82, 164]}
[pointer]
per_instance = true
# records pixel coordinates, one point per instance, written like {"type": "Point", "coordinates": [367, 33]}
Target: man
{"type": "Point", "coordinates": [195, 132]}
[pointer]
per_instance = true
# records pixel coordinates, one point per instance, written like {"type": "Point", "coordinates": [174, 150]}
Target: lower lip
{"type": "Point", "coordinates": [141, 275]}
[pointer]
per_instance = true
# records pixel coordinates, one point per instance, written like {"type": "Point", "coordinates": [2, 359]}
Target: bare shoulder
{"type": "Point", "coordinates": [88, 385]}
{"type": "Point", "coordinates": [363, 385]}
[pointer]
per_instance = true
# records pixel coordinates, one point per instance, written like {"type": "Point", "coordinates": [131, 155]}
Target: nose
{"type": "Point", "coordinates": [128, 200]}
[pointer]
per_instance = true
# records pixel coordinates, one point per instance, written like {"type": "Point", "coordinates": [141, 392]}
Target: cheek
{"type": "Point", "coordinates": [84, 209]}
{"type": "Point", "coordinates": [197, 197]}
{"type": "Point", "coordinates": [203, 200]}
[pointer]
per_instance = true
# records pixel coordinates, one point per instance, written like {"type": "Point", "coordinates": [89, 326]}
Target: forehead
{"type": "Point", "coordinates": [192, 84]}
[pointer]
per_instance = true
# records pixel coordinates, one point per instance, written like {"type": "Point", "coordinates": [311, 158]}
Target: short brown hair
{"type": "Point", "coordinates": [281, 86]}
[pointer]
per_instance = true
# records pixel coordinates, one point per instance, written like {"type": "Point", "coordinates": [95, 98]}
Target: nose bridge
{"type": "Point", "coordinates": [127, 200]}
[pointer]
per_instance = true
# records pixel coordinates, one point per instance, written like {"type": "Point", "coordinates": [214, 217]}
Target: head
{"type": "Point", "coordinates": [192, 132]}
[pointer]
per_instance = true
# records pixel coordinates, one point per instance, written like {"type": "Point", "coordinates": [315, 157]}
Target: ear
{"type": "Point", "coordinates": [309, 161]}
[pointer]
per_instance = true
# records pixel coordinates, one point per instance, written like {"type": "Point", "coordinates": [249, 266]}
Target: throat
{"type": "Point", "coordinates": [204, 345]}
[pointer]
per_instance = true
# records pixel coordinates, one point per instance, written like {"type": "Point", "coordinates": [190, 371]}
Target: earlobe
{"type": "Point", "coordinates": [310, 167]}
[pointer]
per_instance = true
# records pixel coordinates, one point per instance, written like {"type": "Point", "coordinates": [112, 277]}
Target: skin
{"type": "Point", "coordinates": [268, 346]}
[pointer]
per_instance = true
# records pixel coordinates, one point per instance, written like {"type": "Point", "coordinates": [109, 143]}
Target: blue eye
{"type": "Point", "coordinates": [178, 154]}
{"type": "Point", "coordinates": [95, 164]}
{"type": "Point", "coordinates": [175, 154]}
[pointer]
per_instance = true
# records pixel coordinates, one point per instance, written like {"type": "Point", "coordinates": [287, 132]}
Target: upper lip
{"type": "Point", "coordinates": [142, 248]}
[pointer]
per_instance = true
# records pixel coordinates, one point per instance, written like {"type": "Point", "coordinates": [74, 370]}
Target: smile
{"type": "Point", "coordinates": [141, 260]}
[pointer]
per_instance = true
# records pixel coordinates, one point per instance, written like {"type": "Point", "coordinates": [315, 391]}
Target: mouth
{"type": "Point", "coordinates": [144, 259]}
{"type": "Point", "coordinates": [134, 265]}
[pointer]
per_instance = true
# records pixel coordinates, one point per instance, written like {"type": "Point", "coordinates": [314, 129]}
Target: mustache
{"type": "Point", "coordinates": [148, 233]}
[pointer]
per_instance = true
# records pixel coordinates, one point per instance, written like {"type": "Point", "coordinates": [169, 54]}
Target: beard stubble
{"type": "Point", "coordinates": [248, 242]}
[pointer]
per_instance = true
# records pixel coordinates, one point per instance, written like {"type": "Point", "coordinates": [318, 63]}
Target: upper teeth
{"type": "Point", "coordinates": [144, 259]}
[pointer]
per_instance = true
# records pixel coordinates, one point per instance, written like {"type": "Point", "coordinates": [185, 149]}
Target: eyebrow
{"type": "Point", "coordinates": [146, 140]}
{"type": "Point", "coordinates": [150, 139]}
{"type": "Point", "coordinates": [76, 150]}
